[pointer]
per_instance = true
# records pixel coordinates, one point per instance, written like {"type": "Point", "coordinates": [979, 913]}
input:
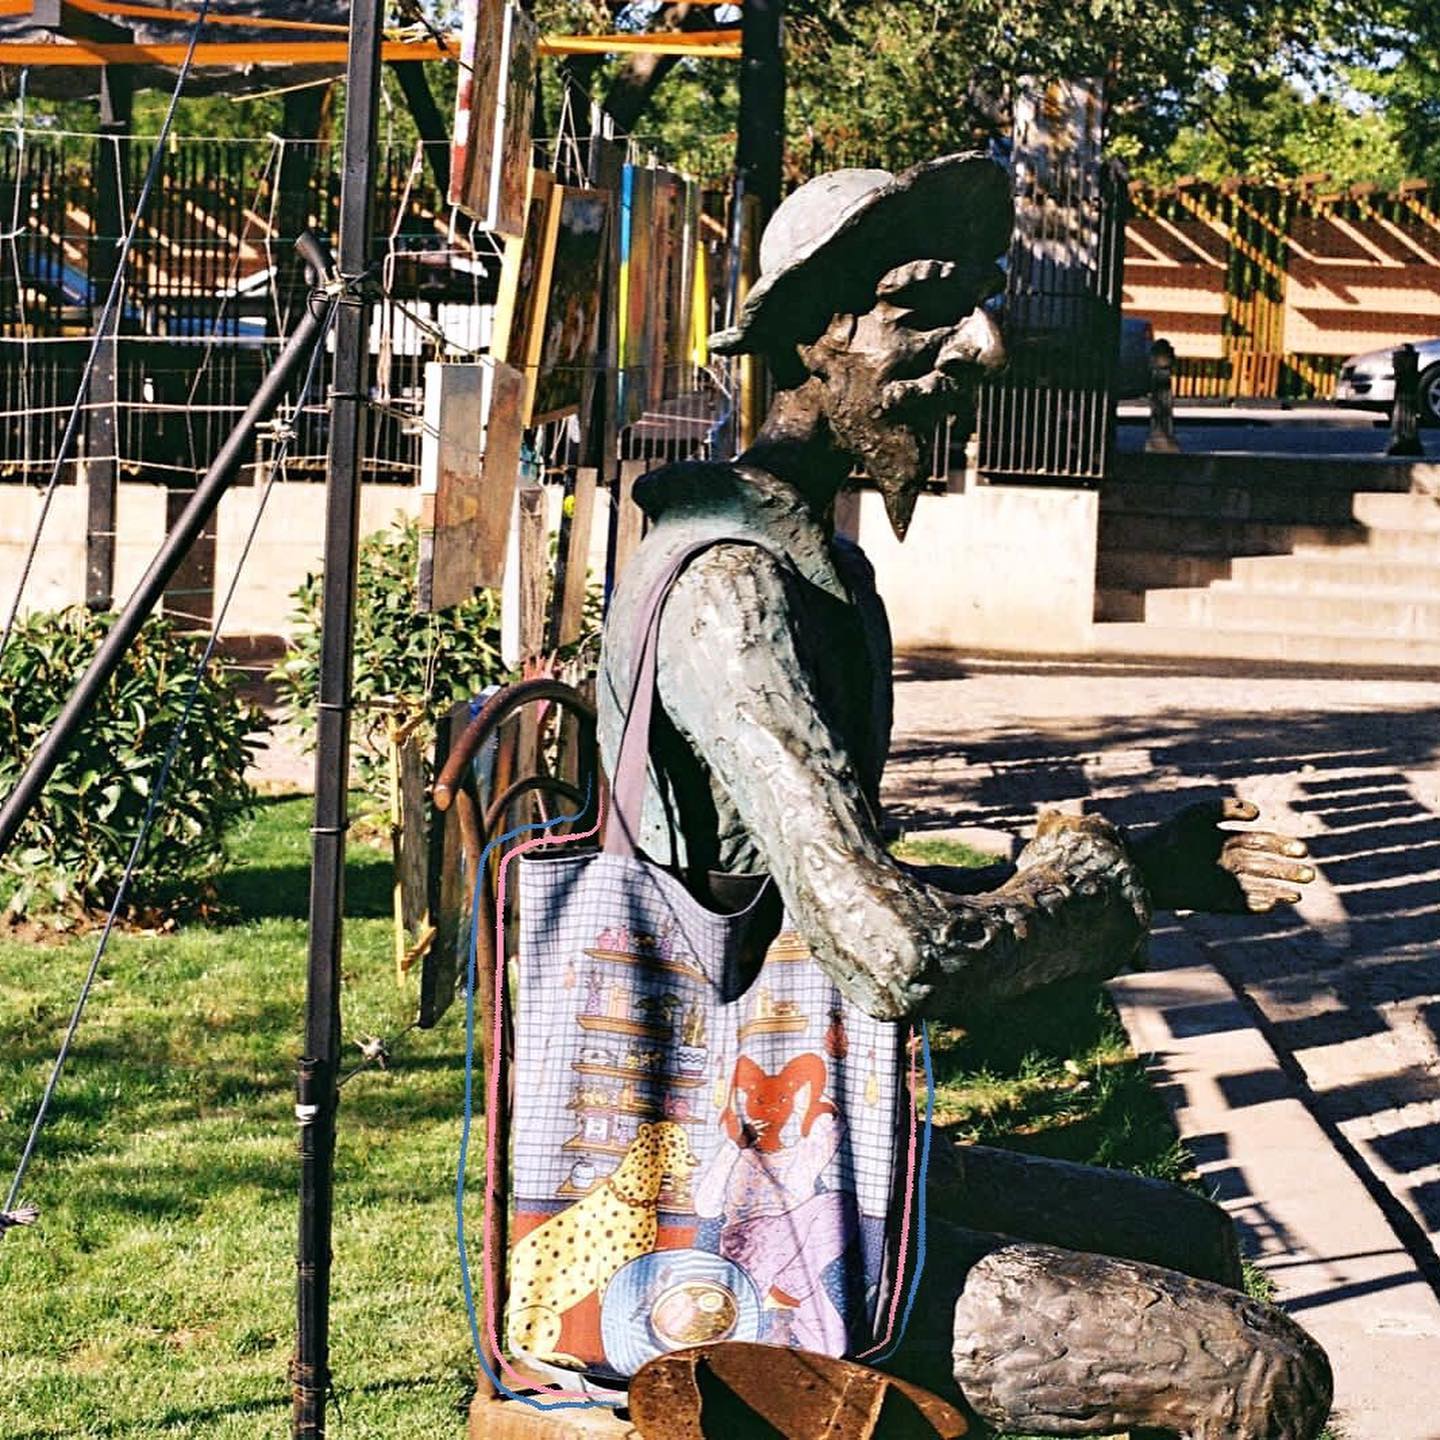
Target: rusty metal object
{"type": "Point", "coordinates": [740, 1389]}
{"type": "Point", "coordinates": [508, 700]}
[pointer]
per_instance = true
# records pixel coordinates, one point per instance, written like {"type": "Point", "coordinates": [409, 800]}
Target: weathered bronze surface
{"type": "Point", "coordinates": [767, 750]}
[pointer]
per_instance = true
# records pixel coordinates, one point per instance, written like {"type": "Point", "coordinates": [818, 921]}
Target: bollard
{"type": "Point", "coordinates": [1405, 415]}
{"type": "Point", "coordinates": [1161, 439]}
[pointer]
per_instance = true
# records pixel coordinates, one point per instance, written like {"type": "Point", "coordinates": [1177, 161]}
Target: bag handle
{"type": "Point", "coordinates": [627, 787]}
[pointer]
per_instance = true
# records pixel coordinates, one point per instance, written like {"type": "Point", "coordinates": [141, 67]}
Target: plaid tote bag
{"type": "Point", "coordinates": [704, 1148]}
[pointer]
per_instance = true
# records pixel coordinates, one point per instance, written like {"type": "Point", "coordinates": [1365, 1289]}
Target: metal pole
{"type": "Point", "coordinates": [760, 144]}
{"type": "Point", "coordinates": [167, 560]}
{"type": "Point", "coordinates": [316, 1094]}
{"type": "Point", "coordinates": [1161, 439]}
{"type": "Point", "coordinates": [1405, 417]}
{"type": "Point", "coordinates": [759, 152]}
{"type": "Point", "coordinates": [102, 465]}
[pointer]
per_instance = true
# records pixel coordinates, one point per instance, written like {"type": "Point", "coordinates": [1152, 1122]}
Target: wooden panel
{"type": "Point", "coordinates": [577, 554]}
{"type": "Point", "coordinates": [630, 521]}
{"type": "Point", "coordinates": [466, 525]}
{"type": "Point", "coordinates": [531, 590]}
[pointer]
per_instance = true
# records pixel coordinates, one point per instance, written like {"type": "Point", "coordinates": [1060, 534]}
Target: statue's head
{"type": "Point", "coordinates": [871, 286]}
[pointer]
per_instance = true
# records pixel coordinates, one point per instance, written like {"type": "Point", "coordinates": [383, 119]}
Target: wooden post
{"type": "Point", "coordinates": [101, 440]}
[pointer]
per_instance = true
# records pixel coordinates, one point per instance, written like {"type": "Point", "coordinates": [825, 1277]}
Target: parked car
{"type": "Point", "coordinates": [1368, 380]}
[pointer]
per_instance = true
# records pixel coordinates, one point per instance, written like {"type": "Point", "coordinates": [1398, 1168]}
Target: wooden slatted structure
{"type": "Point", "coordinates": [1264, 289]}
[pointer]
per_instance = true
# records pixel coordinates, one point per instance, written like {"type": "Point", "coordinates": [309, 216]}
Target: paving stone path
{"type": "Point", "coordinates": [1346, 987]}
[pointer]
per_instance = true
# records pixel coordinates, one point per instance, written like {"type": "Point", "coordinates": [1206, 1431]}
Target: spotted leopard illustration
{"type": "Point", "coordinates": [574, 1253]}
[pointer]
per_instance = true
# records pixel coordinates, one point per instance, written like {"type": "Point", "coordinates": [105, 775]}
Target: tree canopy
{"type": "Point", "coordinates": [1272, 88]}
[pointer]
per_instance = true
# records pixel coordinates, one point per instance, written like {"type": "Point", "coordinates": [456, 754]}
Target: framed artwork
{"type": "Point", "coordinates": [477, 96]}
{"type": "Point", "coordinates": [637, 318]}
{"type": "Point", "coordinates": [494, 110]}
{"type": "Point", "coordinates": [520, 302]}
{"type": "Point", "coordinates": [513, 142]}
{"type": "Point", "coordinates": [577, 253]}
{"type": "Point", "coordinates": [664, 255]}
{"type": "Point", "coordinates": [607, 164]}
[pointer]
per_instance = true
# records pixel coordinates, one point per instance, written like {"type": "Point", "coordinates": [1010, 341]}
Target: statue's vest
{"type": "Point", "coordinates": [839, 629]}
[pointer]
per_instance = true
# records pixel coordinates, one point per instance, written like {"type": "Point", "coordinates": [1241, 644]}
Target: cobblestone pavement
{"type": "Point", "coordinates": [1348, 983]}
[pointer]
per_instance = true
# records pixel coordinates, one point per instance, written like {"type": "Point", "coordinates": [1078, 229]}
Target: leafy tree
{"type": "Point", "coordinates": [1274, 87]}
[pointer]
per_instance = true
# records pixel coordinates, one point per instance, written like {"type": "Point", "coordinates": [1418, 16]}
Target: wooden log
{"type": "Point", "coordinates": [1055, 1342]}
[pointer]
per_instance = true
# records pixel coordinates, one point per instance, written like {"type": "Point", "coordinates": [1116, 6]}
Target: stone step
{"type": "Point", "coordinates": [1248, 502]}
{"type": "Point", "coordinates": [1198, 535]}
{"type": "Point", "coordinates": [1383, 543]}
{"type": "Point", "coordinates": [1115, 602]}
{"type": "Point", "coordinates": [1122, 569]}
{"type": "Point", "coordinates": [1355, 612]}
{"type": "Point", "coordinates": [1294, 472]}
{"type": "Point", "coordinates": [1307, 646]}
{"type": "Point", "coordinates": [1398, 512]}
{"type": "Point", "coordinates": [1319, 573]}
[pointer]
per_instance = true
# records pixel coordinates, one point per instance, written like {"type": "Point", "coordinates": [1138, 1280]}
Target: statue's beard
{"type": "Point", "coordinates": [889, 432]}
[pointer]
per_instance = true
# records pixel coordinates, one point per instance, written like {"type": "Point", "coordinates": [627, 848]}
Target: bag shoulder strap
{"type": "Point", "coordinates": [627, 788]}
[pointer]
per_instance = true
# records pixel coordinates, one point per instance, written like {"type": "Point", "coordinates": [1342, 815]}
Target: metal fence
{"type": "Point", "coordinates": [209, 289]}
{"type": "Point", "coordinates": [1050, 415]}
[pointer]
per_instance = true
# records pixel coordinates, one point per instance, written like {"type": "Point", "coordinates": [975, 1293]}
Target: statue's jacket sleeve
{"type": "Point", "coordinates": [741, 692]}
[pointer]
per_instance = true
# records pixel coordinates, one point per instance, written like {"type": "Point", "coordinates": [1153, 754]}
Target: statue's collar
{"type": "Point", "coordinates": [709, 497]}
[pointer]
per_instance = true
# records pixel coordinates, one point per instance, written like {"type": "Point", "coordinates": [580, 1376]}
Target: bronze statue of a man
{"type": "Point", "coordinates": [771, 733]}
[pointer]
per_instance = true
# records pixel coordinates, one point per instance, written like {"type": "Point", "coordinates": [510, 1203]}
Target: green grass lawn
{"type": "Point", "coordinates": [155, 1296]}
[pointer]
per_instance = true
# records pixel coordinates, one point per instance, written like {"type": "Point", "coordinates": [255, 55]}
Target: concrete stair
{"type": "Point", "coordinates": [1194, 564]}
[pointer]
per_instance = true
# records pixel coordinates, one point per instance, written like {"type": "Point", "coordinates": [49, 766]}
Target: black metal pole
{"type": "Point", "coordinates": [1405, 417]}
{"type": "Point", "coordinates": [760, 144]}
{"type": "Point", "coordinates": [317, 1094]}
{"type": "Point", "coordinates": [1161, 439]}
{"type": "Point", "coordinates": [167, 560]}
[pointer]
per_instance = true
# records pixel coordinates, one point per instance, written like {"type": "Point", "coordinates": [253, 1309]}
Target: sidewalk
{"type": "Point", "coordinates": [1298, 1051]}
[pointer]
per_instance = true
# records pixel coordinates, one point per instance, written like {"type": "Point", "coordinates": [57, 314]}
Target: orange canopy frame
{"type": "Point", "coordinates": [68, 51]}
{"type": "Point", "coordinates": [719, 45]}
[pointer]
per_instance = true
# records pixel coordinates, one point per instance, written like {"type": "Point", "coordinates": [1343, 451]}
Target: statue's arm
{"type": "Point", "coordinates": [733, 680]}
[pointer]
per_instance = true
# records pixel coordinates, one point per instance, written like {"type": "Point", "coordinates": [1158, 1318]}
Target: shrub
{"type": "Point", "coordinates": [406, 663]}
{"type": "Point", "coordinates": [72, 850]}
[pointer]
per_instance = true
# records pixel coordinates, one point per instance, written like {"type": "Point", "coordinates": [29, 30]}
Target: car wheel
{"type": "Point", "coordinates": [1430, 396]}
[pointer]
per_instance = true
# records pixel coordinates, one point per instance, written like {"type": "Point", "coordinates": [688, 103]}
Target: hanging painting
{"type": "Point", "coordinates": [577, 254]}
{"type": "Point", "coordinates": [490, 158]}
{"type": "Point", "coordinates": [520, 304]}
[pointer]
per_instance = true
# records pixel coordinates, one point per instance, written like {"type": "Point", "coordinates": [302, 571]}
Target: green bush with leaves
{"type": "Point", "coordinates": [406, 663]}
{"type": "Point", "coordinates": [72, 850]}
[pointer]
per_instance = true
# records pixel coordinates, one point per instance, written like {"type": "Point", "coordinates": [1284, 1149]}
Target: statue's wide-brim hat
{"type": "Point", "coordinates": [830, 242]}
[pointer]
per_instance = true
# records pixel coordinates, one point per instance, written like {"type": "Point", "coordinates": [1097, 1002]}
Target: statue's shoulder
{"type": "Point", "coordinates": [702, 490]}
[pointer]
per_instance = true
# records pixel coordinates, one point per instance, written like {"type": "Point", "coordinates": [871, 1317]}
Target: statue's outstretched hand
{"type": "Point", "coordinates": [1191, 863]}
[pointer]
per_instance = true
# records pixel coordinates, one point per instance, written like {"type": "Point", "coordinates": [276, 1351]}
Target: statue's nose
{"type": "Point", "coordinates": [975, 341]}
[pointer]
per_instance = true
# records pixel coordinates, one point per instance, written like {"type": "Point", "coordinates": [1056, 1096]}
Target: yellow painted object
{"type": "Point", "coordinates": [699, 311]}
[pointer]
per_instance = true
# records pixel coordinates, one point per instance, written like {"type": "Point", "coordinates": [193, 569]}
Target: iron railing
{"type": "Point", "coordinates": [1050, 416]}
